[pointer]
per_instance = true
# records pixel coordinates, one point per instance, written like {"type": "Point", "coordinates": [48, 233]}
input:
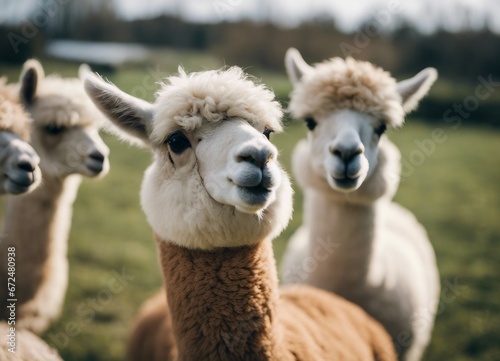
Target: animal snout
{"type": "Point", "coordinates": [256, 155]}
{"type": "Point", "coordinates": [347, 153]}
{"type": "Point", "coordinates": [95, 161]}
{"type": "Point", "coordinates": [26, 166]}
{"type": "Point", "coordinates": [97, 156]}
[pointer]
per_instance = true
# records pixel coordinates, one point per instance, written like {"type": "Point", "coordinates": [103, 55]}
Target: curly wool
{"type": "Point", "coordinates": [13, 117]}
{"type": "Point", "coordinates": [189, 100]}
{"type": "Point", "coordinates": [348, 84]}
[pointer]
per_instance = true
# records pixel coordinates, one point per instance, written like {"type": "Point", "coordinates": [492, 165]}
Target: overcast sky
{"type": "Point", "coordinates": [348, 14]}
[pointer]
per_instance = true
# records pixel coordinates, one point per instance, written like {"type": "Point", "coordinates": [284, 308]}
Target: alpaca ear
{"type": "Point", "coordinates": [83, 70]}
{"type": "Point", "coordinates": [31, 77]}
{"type": "Point", "coordinates": [132, 116]}
{"type": "Point", "coordinates": [414, 89]}
{"type": "Point", "coordinates": [295, 65]}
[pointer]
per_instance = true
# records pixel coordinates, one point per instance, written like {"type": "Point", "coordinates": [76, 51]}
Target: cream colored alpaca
{"type": "Point", "coordinates": [65, 135]}
{"type": "Point", "coordinates": [215, 197]}
{"type": "Point", "coordinates": [19, 171]}
{"type": "Point", "coordinates": [354, 241]}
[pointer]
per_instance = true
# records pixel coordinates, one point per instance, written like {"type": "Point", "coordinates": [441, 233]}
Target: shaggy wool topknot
{"type": "Point", "coordinates": [190, 99]}
{"type": "Point", "coordinates": [13, 117]}
{"type": "Point", "coordinates": [348, 84]}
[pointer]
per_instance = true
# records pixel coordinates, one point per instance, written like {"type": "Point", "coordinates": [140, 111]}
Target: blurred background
{"type": "Point", "coordinates": [451, 186]}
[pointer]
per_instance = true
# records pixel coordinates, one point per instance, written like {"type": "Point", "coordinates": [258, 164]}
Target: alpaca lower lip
{"type": "Point", "coordinates": [254, 195]}
{"type": "Point", "coordinates": [24, 179]}
{"type": "Point", "coordinates": [346, 182]}
{"type": "Point", "coordinates": [95, 166]}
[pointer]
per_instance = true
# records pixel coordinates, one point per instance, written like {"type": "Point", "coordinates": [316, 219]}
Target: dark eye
{"type": "Point", "coordinates": [178, 142]}
{"type": "Point", "coordinates": [53, 129]}
{"type": "Point", "coordinates": [267, 132]}
{"type": "Point", "coordinates": [380, 130]}
{"type": "Point", "coordinates": [311, 123]}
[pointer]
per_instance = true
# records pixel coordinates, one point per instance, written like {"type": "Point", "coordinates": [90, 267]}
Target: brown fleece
{"type": "Point", "coordinates": [13, 117]}
{"type": "Point", "coordinates": [226, 305]}
{"type": "Point", "coordinates": [152, 336]}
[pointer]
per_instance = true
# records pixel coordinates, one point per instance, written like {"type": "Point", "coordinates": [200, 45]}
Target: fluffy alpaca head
{"type": "Point", "coordinates": [65, 123]}
{"type": "Point", "coordinates": [347, 105]}
{"type": "Point", "coordinates": [18, 161]}
{"type": "Point", "coordinates": [215, 180]}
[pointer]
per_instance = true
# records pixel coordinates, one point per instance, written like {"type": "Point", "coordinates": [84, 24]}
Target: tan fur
{"type": "Point", "coordinates": [225, 305]}
{"type": "Point", "coordinates": [29, 347]}
{"type": "Point", "coordinates": [348, 84]}
{"type": "Point", "coordinates": [38, 224]}
{"type": "Point", "coordinates": [13, 117]}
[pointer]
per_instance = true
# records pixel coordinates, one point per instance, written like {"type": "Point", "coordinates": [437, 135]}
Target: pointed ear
{"type": "Point", "coordinates": [83, 70]}
{"type": "Point", "coordinates": [295, 65]}
{"type": "Point", "coordinates": [31, 77]}
{"type": "Point", "coordinates": [132, 116]}
{"type": "Point", "coordinates": [414, 89]}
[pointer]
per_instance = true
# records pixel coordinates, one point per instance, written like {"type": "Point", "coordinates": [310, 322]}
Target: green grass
{"type": "Point", "coordinates": [454, 193]}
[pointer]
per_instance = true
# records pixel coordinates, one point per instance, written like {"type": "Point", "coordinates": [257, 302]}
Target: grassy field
{"type": "Point", "coordinates": [453, 189]}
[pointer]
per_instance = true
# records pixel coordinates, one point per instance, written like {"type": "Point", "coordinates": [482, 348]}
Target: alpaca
{"type": "Point", "coordinates": [28, 346]}
{"type": "Point", "coordinates": [19, 171]}
{"type": "Point", "coordinates": [65, 135]}
{"type": "Point", "coordinates": [215, 197]}
{"type": "Point", "coordinates": [365, 248]}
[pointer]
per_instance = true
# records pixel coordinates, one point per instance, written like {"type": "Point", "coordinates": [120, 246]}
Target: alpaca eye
{"type": "Point", "coordinates": [380, 130]}
{"type": "Point", "coordinates": [267, 132]}
{"type": "Point", "coordinates": [178, 142]}
{"type": "Point", "coordinates": [53, 129]}
{"type": "Point", "coordinates": [311, 123]}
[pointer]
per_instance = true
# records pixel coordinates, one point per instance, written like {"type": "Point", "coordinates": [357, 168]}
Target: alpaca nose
{"type": "Point", "coordinates": [96, 155]}
{"type": "Point", "coordinates": [26, 166]}
{"type": "Point", "coordinates": [256, 155]}
{"type": "Point", "coordinates": [347, 153]}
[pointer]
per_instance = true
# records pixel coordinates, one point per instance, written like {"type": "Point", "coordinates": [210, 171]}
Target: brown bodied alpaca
{"type": "Point", "coordinates": [216, 197]}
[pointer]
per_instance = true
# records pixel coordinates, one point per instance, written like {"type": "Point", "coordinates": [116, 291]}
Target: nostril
{"type": "Point", "coordinates": [26, 166]}
{"type": "Point", "coordinates": [246, 158]}
{"type": "Point", "coordinates": [257, 157]}
{"type": "Point", "coordinates": [98, 156]}
{"type": "Point", "coordinates": [347, 154]}
{"type": "Point", "coordinates": [337, 153]}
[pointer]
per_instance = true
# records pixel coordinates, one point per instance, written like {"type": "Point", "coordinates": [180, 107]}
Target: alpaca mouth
{"type": "Point", "coordinates": [346, 182]}
{"type": "Point", "coordinates": [95, 166]}
{"type": "Point", "coordinates": [256, 195]}
{"type": "Point", "coordinates": [24, 179]}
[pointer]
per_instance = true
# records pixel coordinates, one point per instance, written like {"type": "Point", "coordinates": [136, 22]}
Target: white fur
{"type": "Point", "coordinates": [15, 151]}
{"type": "Point", "coordinates": [197, 198]}
{"type": "Point", "coordinates": [354, 241]}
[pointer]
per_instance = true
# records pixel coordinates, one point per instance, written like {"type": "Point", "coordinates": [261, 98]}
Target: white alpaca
{"type": "Point", "coordinates": [19, 171]}
{"type": "Point", "coordinates": [354, 241]}
{"type": "Point", "coordinates": [65, 135]}
{"type": "Point", "coordinates": [215, 197]}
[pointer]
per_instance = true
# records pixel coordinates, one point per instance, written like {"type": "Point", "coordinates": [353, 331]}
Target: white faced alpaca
{"type": "Point", "coordinates": [347, 106]}
{"type": "Point", "coordinates": [19, 171]}
{"type": "Point", "coordinates": [211, 156]}
{"type": "Point", "coordinates": [215, 197]}
{"type": "Point", "coordinates": [65, 136]}
{"type": "Point", "coordinates": [368, 249]}
{"type": "Point", "coordinates": [65, 124]}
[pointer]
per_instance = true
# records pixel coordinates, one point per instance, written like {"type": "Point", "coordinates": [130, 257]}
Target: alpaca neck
{"type": "Point", "coordinates": [342, 227]}
{"type": "Point", "coordinates": [222, 302]}
{"type": "Point", "coordinates": [38, 225]}
{"type": "Point", "coordinates": [342, 244]}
